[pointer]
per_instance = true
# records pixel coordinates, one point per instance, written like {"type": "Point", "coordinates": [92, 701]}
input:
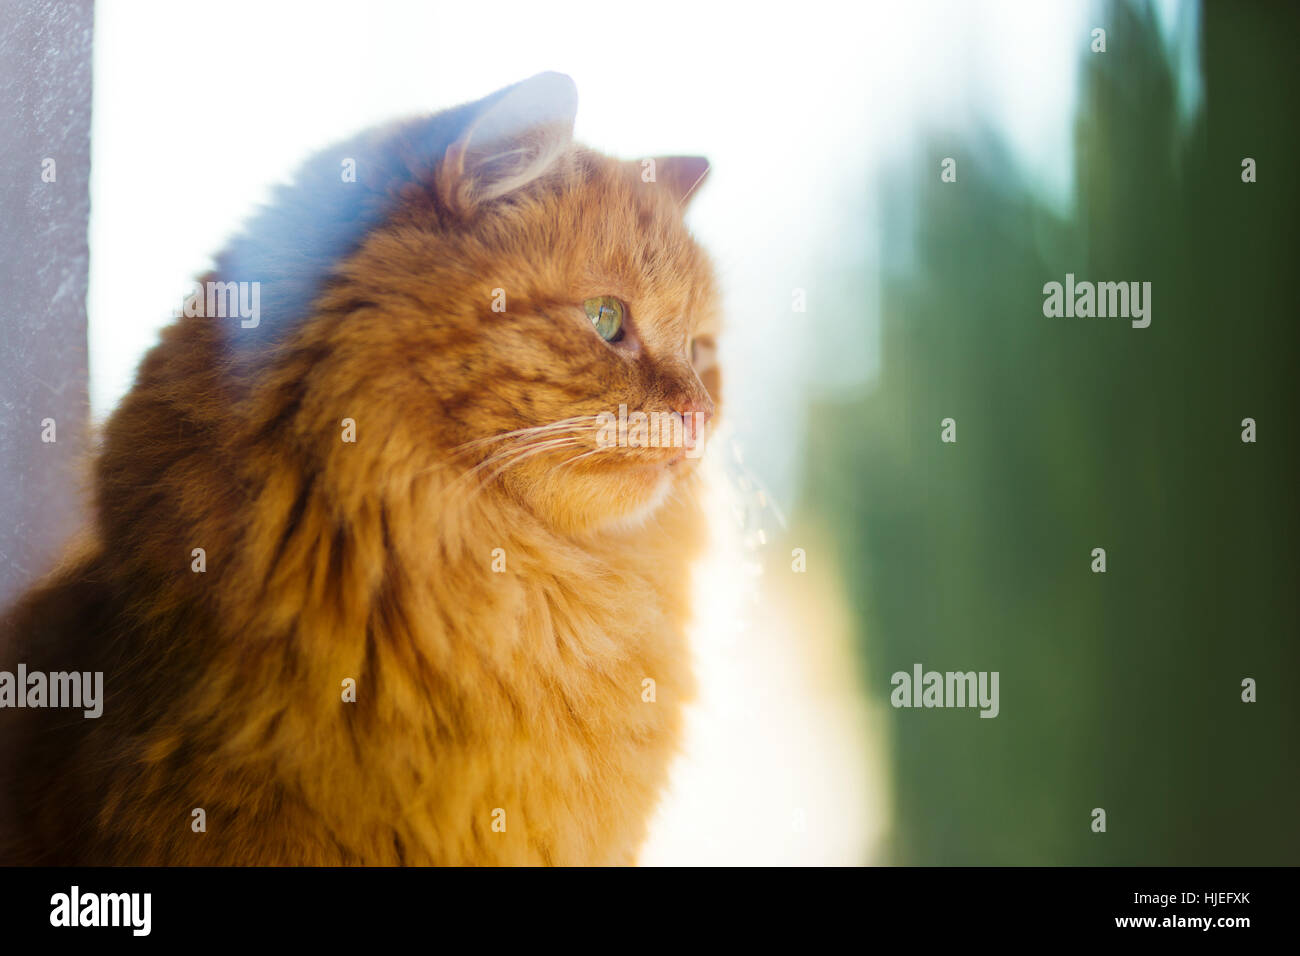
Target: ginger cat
{"type": "Point", "coordinates": [429, 600]}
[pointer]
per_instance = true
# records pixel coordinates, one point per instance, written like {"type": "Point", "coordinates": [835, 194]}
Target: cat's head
{"type": "Point", "coordinates": [491, 299]}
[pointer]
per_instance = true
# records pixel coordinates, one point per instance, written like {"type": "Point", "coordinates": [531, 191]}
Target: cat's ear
{"type": "Point", "coordinates": [514, 138]}
{"type": "Point", "coordinates": [681, 175]}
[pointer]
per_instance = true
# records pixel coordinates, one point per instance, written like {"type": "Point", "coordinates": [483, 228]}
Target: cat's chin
{"type": "Point", "coordinates": [641, 511]}
{"type": "Point", "coordinates": [610, 498]}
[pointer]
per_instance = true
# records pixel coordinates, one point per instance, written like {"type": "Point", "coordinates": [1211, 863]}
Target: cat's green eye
{"type": "Point", "coordinates": [606, 314]}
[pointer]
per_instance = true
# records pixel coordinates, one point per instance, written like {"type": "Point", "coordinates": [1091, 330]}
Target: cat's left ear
{"type": "Point", "coordinates": [518, 133]}
{"type": "Point", "coordinates": [681, 175]}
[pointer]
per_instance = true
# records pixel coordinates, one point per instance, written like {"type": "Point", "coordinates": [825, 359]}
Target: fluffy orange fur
{"type": "Point", "coordinates": [483, 695]}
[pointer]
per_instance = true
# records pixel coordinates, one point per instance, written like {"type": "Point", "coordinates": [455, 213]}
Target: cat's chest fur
{"type": "Point", "coordinates": [539, 717]}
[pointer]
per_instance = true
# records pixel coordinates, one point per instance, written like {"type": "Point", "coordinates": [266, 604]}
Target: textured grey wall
{"type": "Point", "coordinates": [45, 83]}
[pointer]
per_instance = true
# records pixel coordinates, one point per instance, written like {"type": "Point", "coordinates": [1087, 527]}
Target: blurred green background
{"type": "Point", "coordinates": [1119, 690]}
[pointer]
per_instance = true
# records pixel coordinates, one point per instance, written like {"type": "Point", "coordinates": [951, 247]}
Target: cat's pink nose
{"type": "Point", "coordinates": [695, 415]}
